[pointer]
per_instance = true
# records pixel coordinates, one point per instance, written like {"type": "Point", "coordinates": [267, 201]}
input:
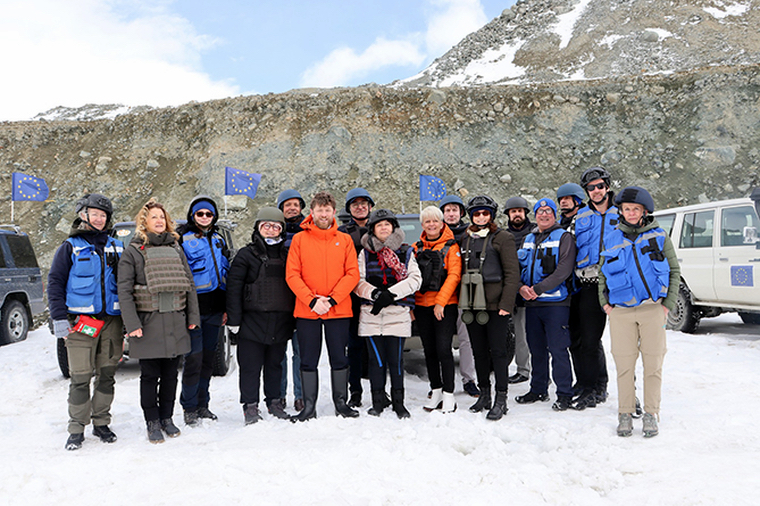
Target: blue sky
{"type": "Point", "coordinates": [165, 52]}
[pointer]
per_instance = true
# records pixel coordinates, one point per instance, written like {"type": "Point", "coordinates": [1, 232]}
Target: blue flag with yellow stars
{"type": "Point", "coordinates": [741, 275]}
{"type": "Point", "coordinates": [29, 188]}
{"type": "Point", "coordinates": [431, 188]}
{"type": "Point", "coordinates": [240, 182]}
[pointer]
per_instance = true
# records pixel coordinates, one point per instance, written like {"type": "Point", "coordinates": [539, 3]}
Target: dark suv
{"type": "Point", "coordinates": [124, 231]}
{"type": "Point", "coordinates": [21, 288]}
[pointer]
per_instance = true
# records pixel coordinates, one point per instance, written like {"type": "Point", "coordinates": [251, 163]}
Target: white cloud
{"type": "Point", "coordinates": [86, 51]}
{"type": "Point", "coordinates": [343, 65]}
{"type": "Point", "coordinates": [448, 22]}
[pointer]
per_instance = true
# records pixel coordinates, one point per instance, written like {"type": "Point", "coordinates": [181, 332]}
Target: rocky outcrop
{"type": "Point", "coordinates": [686, 136]}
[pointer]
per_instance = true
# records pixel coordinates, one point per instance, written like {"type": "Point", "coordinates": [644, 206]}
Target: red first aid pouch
{"type": "Point", "coordinates": [88, 325]}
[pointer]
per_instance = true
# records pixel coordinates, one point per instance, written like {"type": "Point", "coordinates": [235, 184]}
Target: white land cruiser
{"type": "Point", "coordinates": [718, 249]}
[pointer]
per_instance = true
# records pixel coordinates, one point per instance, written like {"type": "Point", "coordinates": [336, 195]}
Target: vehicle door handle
{"type": "Point", "coordinates": [723, 259]}
{"type": "Point", "coordinates": [7, 280]}
{"type": "Point", "coordinates": [755, 260]}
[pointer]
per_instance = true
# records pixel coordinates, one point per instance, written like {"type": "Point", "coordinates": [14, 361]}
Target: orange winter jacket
{"type": "Point", "coordinates": [448, 294]}
{"type": "Point", "coordinates": [322, 262]}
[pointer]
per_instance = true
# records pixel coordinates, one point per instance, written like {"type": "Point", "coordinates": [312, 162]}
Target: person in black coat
{"type": "Point", "coordinates": [260, 311]}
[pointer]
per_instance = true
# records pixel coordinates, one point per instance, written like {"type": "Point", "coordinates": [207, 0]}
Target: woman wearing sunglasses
{"type": "Point", "coordinates": [260, 311]}
{"type": "Point", "coordinates": [208, 256]}
{"type": "Point", "coordinates": [490, 279]}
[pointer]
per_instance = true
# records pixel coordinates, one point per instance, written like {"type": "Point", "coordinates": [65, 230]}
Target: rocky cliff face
{"type": "Point", "coordinates": [687, 136]}
{"type": "Point", "coordinates": [552, 40]}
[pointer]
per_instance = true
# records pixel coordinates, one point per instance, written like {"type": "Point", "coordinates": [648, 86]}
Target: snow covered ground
{"type": "Point", "coordinates": [708, 450]}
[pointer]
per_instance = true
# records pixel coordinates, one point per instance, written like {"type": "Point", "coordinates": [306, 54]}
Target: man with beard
{"type": "Point", "coordinates": [322, 270]}
{"type": "Point", "coordinates": [519, 226]}
{"type": "Point", "coordinates": [591, 225]}
{"type": "Point", "coordinates": [359, 203]}
{"type": "Point", "coordinates": [292, 204]}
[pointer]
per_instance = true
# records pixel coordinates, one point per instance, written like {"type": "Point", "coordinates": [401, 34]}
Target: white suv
{"type": "Point", "coordinates": [718, 249]}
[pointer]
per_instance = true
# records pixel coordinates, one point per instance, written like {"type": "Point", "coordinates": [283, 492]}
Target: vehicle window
{"type": "Point", "coordinates": [124, 234]}
{"type": "Point", "coordinates": [21, 251]}
{"type": "Point", "coordinates": [697, 231]}
{"type": "Point", "coordinates": [733, 222]}
{"type": "Point", "coordinates": [2, 256]}
{"type": "Point", "coordinates": [666, 222]}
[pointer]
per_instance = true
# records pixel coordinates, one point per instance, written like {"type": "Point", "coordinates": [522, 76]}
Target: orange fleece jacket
{"type": "Point", "coordinates": [448, 294]}
{"type": "Point", "coordinates": [322, 262]}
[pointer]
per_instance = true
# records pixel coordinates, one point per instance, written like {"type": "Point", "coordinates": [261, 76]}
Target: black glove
{"type": "Point", "coordinates": [384, 299]}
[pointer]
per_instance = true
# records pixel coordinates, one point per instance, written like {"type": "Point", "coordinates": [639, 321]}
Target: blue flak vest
{"type": "Point", "coordinates": [91, 277]}
{"type": "Point", "coordinates": [207, 261]}
{"type": "Point", "coordinates": [385, 278]}
{"type": "Point", "coordinates": [537, 261]}
{"type": "Point", "coordinates": [591, 227]}
{"type": "Point", "coordinates": [635, 270]}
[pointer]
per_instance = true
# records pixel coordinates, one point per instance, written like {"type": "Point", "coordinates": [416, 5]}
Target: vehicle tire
{"type": "Point", "coordinates": [63, 357]}
{"type": "Point", "coordinates": [684, 317]}
{"type": "Point", "coordinates": [750, 318]}
{"type": "Point", "coordinates": [223, 353]}
{"type": "Point", "coordinates": [14, 322]}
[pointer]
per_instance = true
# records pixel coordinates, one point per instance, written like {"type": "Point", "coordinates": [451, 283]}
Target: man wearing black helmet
{"type": "Point", "coordinates": [292, 205]}
{"type": "Point", "coordinates": [359, 203]}
{"type": "Point", "coordinates": [592, 223]}
{"type": "Point", "coordinates": [84, 307]}
{"type": "Point", "coordinates": [519, 225]}
{"type": "Point", "coordinates": [453, 210]}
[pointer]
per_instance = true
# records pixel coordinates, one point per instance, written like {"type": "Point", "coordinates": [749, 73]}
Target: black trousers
{"type": "Point", "coordinates": [492, 345]}
{"type": "Point", "coordinates": [254, 356]}
{"type": "Point", "coordinates": [158, 387]}
{"type": "Point", "coordinates": [436, 339]}
{"type": "Point", "coordinates": [587, 322]}
{"type": "Point", "coordinates": [386, 355]}
{"type": "Point", "coordinates": [310, 341]}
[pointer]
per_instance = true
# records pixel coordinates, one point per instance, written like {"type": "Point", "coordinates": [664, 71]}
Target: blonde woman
{"type": "Point", "coordinates": [159, 305]}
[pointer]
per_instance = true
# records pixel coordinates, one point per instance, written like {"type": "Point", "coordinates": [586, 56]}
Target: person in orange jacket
{"type": "Point", "coordinates": [436, 305]}
{"type": "Point", "coordinates": [322, 270]}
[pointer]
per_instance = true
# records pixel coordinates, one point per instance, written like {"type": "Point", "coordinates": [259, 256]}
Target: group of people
{"type": "Point", "coordinates": [536, 292]}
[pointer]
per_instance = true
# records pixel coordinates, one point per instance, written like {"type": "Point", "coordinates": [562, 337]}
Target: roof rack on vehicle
{"type": "Point", "coordinates": [15, 227]}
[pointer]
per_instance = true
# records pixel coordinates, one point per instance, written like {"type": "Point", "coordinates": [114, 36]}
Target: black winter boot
{"type": "Point", "coordinates": [397, 399]}
{"type": "Point", "coordinates": [155, 435]}
{"type": "Point", "coordinates": [378, 403]}
{"type": "Point", "coordinates": [483, 402]}
{"type": "Point", "coordinates": [309, 387]}
{"type": "Point", "coordinates": [499, 408]}
{"type": "Point", "coordinates": [339, 380]}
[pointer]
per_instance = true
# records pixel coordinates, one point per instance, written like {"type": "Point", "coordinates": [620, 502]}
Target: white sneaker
{"type": "Point", "coordinates": [449, 404]}
{"type": "Point", "coordinates": [435, 400]}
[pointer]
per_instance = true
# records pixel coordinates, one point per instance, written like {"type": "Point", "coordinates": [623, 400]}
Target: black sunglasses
{"type": "Point", "coordinates": [597, 186]}
{"type": "Point", "coordinates": [207, 214]}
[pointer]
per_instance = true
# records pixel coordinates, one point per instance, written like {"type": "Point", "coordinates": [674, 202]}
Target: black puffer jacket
{"type": "Point", "coordinates": [246, 299]}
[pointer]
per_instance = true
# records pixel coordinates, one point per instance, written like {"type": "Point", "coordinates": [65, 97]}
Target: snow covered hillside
{"type": "Point", "coordinates": [538, 41]}
{"type": "Point", "coordinates": [706, 453]}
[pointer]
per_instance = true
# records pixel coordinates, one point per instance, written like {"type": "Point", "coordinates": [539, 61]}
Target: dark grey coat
{"type": "Point", "coordinates": [165, 335]}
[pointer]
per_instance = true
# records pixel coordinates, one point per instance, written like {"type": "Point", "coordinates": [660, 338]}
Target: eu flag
{"type": "Point", "coordinates": [240, 182]}
{"type": "Point", "coordinates": [431, 188]}
{"type": "Point", "coordinates": [29, 188]}
{"type": "Point", "coordinates": [741, 275]}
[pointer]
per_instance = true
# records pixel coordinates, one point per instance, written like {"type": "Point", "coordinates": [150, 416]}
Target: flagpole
{"type": "Point", "coordinates": [12, 223]}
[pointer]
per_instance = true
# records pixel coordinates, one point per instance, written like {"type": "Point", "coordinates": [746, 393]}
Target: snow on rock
{"type": "Point", "coordinates": [706, 452]}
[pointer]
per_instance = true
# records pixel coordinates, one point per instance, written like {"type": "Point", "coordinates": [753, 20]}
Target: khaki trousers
{"type": "Point", "coordinates": [93, 357]}
{"type": "Point", "coordinates": [635, 330]}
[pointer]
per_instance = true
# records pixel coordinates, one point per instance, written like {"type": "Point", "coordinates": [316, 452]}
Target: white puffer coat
{"type": "Point", "coordinates": [393, 320]}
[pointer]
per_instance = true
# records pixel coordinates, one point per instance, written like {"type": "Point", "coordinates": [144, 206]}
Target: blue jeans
{"type": "Point", "coordinates": [199, 363]}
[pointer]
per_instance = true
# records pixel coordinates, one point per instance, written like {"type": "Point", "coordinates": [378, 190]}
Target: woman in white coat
{"type": "Point", "coordinates": [389, 278]}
